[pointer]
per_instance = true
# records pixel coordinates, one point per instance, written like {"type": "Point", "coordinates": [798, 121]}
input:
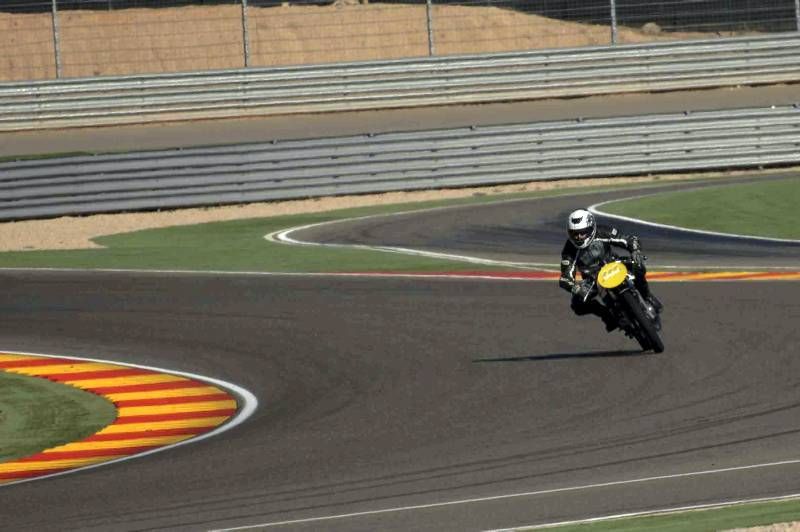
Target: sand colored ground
{"type": "Point", "coordinates": [77, 232]}
{"type": "Point", "coordinates": [132, 41]}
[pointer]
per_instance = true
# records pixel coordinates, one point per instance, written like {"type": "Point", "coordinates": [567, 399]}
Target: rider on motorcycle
{"type": "Point", "coordinates": [586, 248]}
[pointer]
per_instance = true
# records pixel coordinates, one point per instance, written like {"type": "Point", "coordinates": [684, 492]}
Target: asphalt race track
{"type": "Point", "coordinates": [533, 232]}
{"type": "Point", "coordinates": [431, 404]}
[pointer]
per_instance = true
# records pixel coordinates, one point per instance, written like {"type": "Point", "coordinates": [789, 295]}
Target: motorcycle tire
{"type": "Point", "coordinates": [650, 337]}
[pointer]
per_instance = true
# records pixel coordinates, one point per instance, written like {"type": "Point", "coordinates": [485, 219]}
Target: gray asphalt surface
{"type": "Point", "coordinates": [380, 394]}
{"type": "Point", "coordinates": [532, 231]}
{"type": "Point", "coordinates": [265, 129]}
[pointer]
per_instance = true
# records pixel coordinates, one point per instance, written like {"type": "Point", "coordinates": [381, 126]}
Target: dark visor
{"type": "Point", "coordinates": [580, 235]}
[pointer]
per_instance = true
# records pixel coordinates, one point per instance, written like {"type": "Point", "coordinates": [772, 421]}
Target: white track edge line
{"type": "Point", "coordinates": [273, 237]}
{"type": "Point", "coordinates": [651, 513]}
{"type": "Point", "coordinates": [595, 209]}
{"type": "Point", "coordinates": [249, 407]}
{"type": "Point", "coordinates": [367, 275]}
{"type": "Point", "coordinates": [282, 235]}
{"type": "Point", "coordinates": [513, 495]}
{"type": "Point", "coordinates": [400, 275]}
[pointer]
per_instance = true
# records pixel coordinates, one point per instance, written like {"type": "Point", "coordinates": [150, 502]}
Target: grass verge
{"type": "Point", "coordinates": [756, 209]}
{"type": "Point", "coordinates": [240, 246]}
{"type": "Point", "coordinates": [221, 246]}
{"type": "Point", "coordinates": [36, 414]}
{"type": "Point", "coordinates": [738, 516]}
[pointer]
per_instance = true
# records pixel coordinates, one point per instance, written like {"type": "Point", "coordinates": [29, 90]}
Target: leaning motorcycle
{"type": "Point", "coordinates": [636, 316]}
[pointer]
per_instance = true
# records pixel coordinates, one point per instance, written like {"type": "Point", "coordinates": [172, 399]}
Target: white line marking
{"type": "Point", "coordinates": [411, 275]}
{"type": "Point", "coordinates": [648, 513]}
{"type": "Point", "coordinates": [596, 210]}
{"type": "Point", "coordinates": [512, 495]}
{"type": "Point", "coordinates": [282, 237]}
{"type": "Point", "coordinates": [439, 276]}
{"type": "Point", "coordinates": [250, 404]}
{"type": "Point", "coordinates": [531, 196]}
{"type": "Point", "coordinates": [485, 276]}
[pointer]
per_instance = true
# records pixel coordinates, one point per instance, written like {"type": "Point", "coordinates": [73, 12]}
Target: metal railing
{"type": "Point", "coordinates": [401, 83]}
{"type": "Point", "coordinates": [400, 161]}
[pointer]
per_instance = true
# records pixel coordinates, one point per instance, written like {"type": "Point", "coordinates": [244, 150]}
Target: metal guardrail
{"type": "Point", "coordinates": [400, 83]}
{"type": "Point", "coordinates": [400, 161]}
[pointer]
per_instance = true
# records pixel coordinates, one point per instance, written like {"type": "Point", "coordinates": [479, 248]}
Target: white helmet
{"type": "Point", "coordinates": [581, 228]}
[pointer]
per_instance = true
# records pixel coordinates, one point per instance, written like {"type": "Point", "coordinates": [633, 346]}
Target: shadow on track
{"type": "Point", "coordinates": [567, 356]}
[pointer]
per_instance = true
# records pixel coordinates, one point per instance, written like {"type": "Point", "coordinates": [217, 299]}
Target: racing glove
{"type": "Point", "coordinates": [638, 259]}
{"type": "Point", "coordinates": [581, 289]}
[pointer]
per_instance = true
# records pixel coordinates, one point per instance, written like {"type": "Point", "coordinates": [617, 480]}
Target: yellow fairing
{"type": "Point", "coordinates": [612, 274]}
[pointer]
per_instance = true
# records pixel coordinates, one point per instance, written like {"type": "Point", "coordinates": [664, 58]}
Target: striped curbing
{"type": "Point", "coordinates": [154, 409]}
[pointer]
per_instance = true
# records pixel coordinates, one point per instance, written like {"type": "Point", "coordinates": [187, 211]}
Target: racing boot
{"type": "Point", "coordinates": [644, 288]}
{"type": "Point", "coordinates": [610, 320]}
{"type": "Point", "coordinates": [611, 324]}
{"type": "Point", "coordinates": [653, 300]}
{"type": "Point", "coordinates": [655, 305]}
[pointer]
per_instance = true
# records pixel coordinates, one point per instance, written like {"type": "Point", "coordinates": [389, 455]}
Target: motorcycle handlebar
{"type": "Point", "coordinates": [627, 260]}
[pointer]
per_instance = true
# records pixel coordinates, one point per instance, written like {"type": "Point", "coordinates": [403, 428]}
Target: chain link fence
{"type": "Point", "coordinates": [45, 39]}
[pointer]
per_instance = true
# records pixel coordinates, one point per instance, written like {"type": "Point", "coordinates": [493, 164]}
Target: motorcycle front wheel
{"type": "Point", "coordinates": [648, 336]}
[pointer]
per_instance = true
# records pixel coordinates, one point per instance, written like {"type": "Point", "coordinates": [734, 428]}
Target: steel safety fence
{"type": "Point", "coordinates": [43, 39]}
{"type": "Point", "coordinates": [455, 157]}
{"type": "Point", "coordinates": [400, 83]}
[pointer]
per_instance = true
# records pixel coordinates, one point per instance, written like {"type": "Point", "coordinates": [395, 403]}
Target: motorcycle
{"type": "Point", "coordinates": [636, 316]}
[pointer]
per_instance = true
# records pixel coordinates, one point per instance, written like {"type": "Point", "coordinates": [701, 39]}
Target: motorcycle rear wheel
{"type": "Point", "coordinates": [650, 338]}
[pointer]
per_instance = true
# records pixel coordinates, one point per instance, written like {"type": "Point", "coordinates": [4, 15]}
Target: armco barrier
{"type": "Point", "coordinates": [400, 83]}
{"type": "Point", "coordinates": [400, 161]}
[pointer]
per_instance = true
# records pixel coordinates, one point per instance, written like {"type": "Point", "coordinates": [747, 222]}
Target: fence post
{"type": "Point", "coordinates": [797, 13]}
{"type": "Point", "coordinates": [56, 39]}
{"type": "Point", "coordinates": [614, 21]}
{"type": "Point", "coordinates": [429, 13]}
{"type": "Point", "coordinates": [245, 35]}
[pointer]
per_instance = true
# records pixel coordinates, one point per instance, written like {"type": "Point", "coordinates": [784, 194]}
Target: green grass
{"type": "Point", "coordinates": [758, 209]}
{"type": "Point", "coordinates": [36, 414]}
{"type": "Point", "coordinates": [240, 246]}
{"type": "Point", "coordinates": [221, 246]}
{"type": "Point", "coordinates": [745, 515]}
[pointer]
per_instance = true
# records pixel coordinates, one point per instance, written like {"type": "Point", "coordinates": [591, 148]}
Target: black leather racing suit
{"type": "Point", "coordinates": [588, 261]}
